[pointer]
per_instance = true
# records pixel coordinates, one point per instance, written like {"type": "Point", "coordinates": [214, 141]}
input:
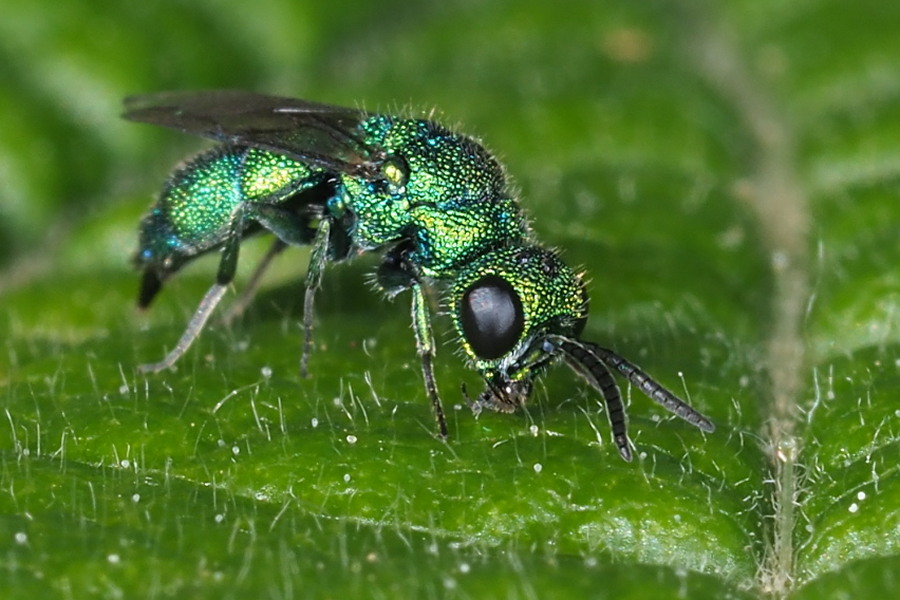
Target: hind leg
{"type": "Point", "coordinates": [224, 276]}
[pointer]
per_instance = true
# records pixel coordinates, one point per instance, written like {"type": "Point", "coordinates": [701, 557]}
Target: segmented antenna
{"type": "Point", "coordinates": [651, 388]}
{"type": "Point", "coordinates": [594, 363]}
{"type": "Point", "coordinates": [581, 358]}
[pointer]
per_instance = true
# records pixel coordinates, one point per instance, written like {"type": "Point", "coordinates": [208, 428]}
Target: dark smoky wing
{"type": "Point", "coordinates": [313, 133]}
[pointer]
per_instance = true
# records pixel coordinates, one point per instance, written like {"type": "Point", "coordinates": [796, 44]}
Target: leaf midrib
{"type": "Point", "coordinates": [780, 205]}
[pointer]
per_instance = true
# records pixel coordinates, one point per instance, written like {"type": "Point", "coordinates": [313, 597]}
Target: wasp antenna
{"type": "Point", "coordinates": [651, 388]}
{"type": "Point", "coordinates": [581, 358]}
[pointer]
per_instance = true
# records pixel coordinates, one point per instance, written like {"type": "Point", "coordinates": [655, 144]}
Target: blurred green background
{"type": "Point", "coordinates": [726, 173]}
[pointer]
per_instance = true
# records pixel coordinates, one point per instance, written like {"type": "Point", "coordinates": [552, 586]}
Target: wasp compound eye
{"type": "Point", "coordinates": [491, 316]}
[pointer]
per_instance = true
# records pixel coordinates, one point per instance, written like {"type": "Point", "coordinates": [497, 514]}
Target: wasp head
{"type": "Point", "coordinates": [505, 307]}
{"type": "Point", "coordinates": [516, 310]}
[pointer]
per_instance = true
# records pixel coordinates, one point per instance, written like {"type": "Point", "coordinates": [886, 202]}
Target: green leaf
{"type": "Point", "coordinates": [727, 175]}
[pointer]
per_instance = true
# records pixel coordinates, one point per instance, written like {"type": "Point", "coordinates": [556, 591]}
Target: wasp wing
{"type": "Point", "coordinates": [316, 134]}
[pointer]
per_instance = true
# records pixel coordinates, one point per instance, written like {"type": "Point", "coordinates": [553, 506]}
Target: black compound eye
{"type": "Point", "coordinates": [491, 317]}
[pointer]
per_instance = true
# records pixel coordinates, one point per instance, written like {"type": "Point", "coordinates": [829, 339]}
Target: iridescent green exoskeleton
{"type": "Point", "coordinates": [435, 203]}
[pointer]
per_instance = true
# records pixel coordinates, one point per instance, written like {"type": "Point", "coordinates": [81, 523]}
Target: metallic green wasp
{"type": "Point", "coordinates": [436, 205]}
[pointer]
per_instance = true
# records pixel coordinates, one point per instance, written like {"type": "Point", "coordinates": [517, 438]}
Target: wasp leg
{"type": "Point", "coordinates": [395, 274]}
{"type": "Point", "coordinates": [240, 305]}
{"type": "Point", "coordinates": [317, 262]}
{"type": "Point", "coordinates": [425, 346]}
{"type": "Point", "coordinates": [224, 276]}
{"type": "Point", "coordinates": [194, 327]}
{"type": "Point", "coordinates": [297, 229]}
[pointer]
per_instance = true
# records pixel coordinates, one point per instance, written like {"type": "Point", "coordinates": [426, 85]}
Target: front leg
{"type": "Point", "coordinates": [395, 274]}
